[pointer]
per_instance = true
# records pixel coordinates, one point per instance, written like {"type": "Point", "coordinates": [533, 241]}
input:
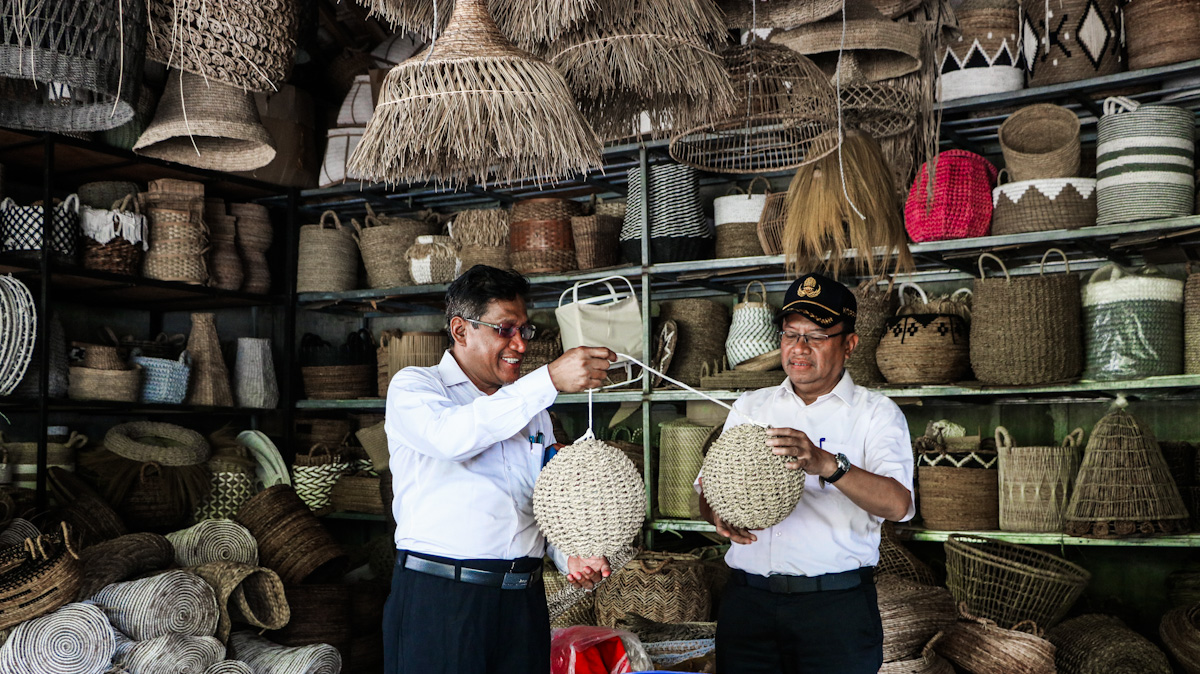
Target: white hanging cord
{"type": "Point", "coordinates": [433, 35]}
{"type": "Point", "coordinates": [589, 434]}
{"type": "Point", "coordinates": [837, 85]}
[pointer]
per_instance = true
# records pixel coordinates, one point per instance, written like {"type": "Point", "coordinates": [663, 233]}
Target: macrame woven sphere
{"type": "Point", "coordinates": [745, 483]}
{"type": "Point", "coordinates": [589, 500]}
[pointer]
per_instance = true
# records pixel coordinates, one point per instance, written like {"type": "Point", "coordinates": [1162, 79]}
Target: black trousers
{"type": "Point", "coordinates": [835, 632]}
{"type": "Point", "coordinates": [434, 625]}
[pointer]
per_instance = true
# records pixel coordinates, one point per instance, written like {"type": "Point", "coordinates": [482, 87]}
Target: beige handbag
{"type": "Point", "coordinates": [613, 320]}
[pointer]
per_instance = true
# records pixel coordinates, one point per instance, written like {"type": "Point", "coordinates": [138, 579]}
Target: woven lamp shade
{"type": "Point", "coordinates": [589, 500]}
{"type": "Point", "coordinates": [777, 13]}
{"type": "Point", "coordinates": [884, 48]}
{"type": "Point", "coordinates": [780, 121]}
{"type": "Point", "coordinates": [525, 22]}
{"type": "Point", "coordinates": [1124, 485]}
{"type": "Point", "coordinates": [477, 109]}
{"type": "Point", "coordinates": [745, 483]}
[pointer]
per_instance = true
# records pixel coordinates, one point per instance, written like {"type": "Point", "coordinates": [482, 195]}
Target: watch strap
{"type": "Point", "coordinates": [843, 467]}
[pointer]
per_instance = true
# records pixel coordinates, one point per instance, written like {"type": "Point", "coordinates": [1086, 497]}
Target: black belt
{"type": "Point", "coordinates": [782, 584]}
{"type": "Point", "coordinates": [505, 580]}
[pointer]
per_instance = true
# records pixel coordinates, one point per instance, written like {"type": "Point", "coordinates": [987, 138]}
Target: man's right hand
{"type": "Point", "coordinates": [581, 368]}
{"type": "Point", "coordinates": [734, 534]}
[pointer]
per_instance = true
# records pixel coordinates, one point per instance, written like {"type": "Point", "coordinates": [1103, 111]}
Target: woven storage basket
{"type": "Point", "coordinates": [929, 662]}
{"type": "Point", "coordinates": [745, 483]}
{"type": "Point", "coordinates": [703, 326]}
{"type": "Point", "coordinates": [38, 576]}
{"type": "Point", "coordinates": [1036, 482]}
{"type": "Point", "coordinates": [91, 519]}
{"type": "Point", "coordinates": [104, 193]}
{"type": "Point", "coordinates": [987, 57]}
{"type": "Point", "coordinates": [680, 456]}
{"type": "Point", "coordinates": [153, 503]}
{"type": "Point", "coordinates": [924, 348]}
{"type": "Point", "coordinates": [959, 205]}
{"type": "Point", "coordinates": [679, 230]}
{"type": "Point", "coordinates": [115, 385]}
{"type": "Point", "coordinates": [1041, 141]}
{"type": "Point", "coordinates": [1191, 324]}
{"type": "Point", "coordinates": [1180, 633]}
{"type": "Point", "coordinates": [160, 443]}
{"type": "Point", "coordinates": [214, 541]}
{"type": "Point", "coordinates": [209, 382]}
{"type": "Point", "coordinates": [960, 491]}
{"type": "Point", "coordinates": [546, 208]}
{"type": "Point", "coordinates": [328, 257]}
{"type": "Point", "coordinates": [232, 484]}
{"type": "Point", "coordinates": [247, 594]}
{"type": "Point", "coordinates": [175, 602]}
{"type": "Point", "coordinates": [582, 612]}
{"type": "Point", "coordinates": [21, 229]}
{"type": "Point", "coordinates": [267, 657]}
{"type": "Point", "coordinates": [541, 246]}
{"type": "Point", "coordinates": [613, 506]}
{"type": "Point", "coordinates": [169, 652]}
{"type": "Point", "coordinates": [74, 639]}
{"type": "Point", "coordinates": [332, 432]}
{"type": "Point", "coordinates": [410, 349]}
{"type": "Point", "coordinates": [876, 304]}
{"type": "Point", "coordinates": [1044, 310]}
{"type": "Point", "coordinates": [178, 237]}
{"type": "Point", "coordinates": [596, 240]}
{"type": "Point", "coordinates": [291, 540]}
{"type": "Point", "coordinates": [897, 560]}
{"type": "Point", "coordinates": [1042, 205]}
{"type": "Point", "coordinates": [1160, 32]}
{"type": "Point", "coordinates": [21, 458]}
{"type": "Point", "coordinates": [321, 614]}
{"type": "Point", "coordinates": [30, 384]}
{"type": "Point", "coordinates": [357, 493]}
{"type": "Point", "coordinates": [1011, 583]}
{"type": "Point", "coordinates": [315, 474]}
{"type": "Point", "coordinates": [911, 613]}
{"type": "Point", "coordinates": [1145, 159]}
{"type": "Point", "coordinates": [1096, 644]}
{"type": "Point", "coordinates": [433, 259]}
{"type": "Point", "coordinates": [1132, 324]}
{"type": "Point", "coordinates": [658, 586]}
{"type": "Point", "coordinates": [1094, 45]}
{"type": "Point", "coordinates": [338, 382]}
{"type": "Point", "coordinates": [383, 242]}
{"type": "Point", "coordinates": [254, 235]}
{"type": "Point", "coordinates": [752, 330]}
{"type": "Point", "coordinates": [374, 440]}
{"type": "Point", "coordinates": [164, 381]}
{"type": "Point", "coordinates": [114, 236]}
{"type": "Point", "coordinates": [543, 350]}
{"type": "Point", "coordinates": [254, 381]}
{"type": "Point", "coordinates": [979, 645]}
{"type": "Point", "coordinates": [737, 217]}
{"type": "Point", "coordinates": [482, 237]}
{"type": "Point", "coordinates": [225, 264]}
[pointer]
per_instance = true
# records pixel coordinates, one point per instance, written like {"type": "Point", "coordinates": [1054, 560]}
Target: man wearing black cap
{"type": "Point", "coordinates": [802, 598]}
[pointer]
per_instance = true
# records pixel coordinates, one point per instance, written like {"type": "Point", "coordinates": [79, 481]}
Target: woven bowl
{"type": "Point", "coordinates": [745, 483]}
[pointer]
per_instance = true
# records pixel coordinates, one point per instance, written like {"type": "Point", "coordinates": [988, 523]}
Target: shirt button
{"type": "Point", "coordinates": [778, 534]}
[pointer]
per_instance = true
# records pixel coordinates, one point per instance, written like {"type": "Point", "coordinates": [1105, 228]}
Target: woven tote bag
{"type": "Point", "coordinates": [921, 346]}
{"type": "Point", "coordinates": [1040, 141]}
{"type": "Point", "coordinates": [1071, 40]}
{"type": "Point", "coordinates": [21, 228]}
{"type": "Point", "coordinates": [383, 241]}
{"type": "Point", "coordinates": [959, 203]}
{"type": "Point", "coordinates": [1042, 205]}
{"type": "Point", "coordinates": [1145, 162]}
{"type": "Point", "coordinates": [987, 56]}
{"type": "Point", "coordinates": [678, 229]}
{"type": "Point", "coordinates": [1036, 482]}
{"type": "Point", "coordinates": [1044, 310]}
{"type": "Point", "coordinates": [680, 455]}
{"type": "Point", "coordinates": [663, 587]}
{"type": "Point", "coordinates": [328, 257]}
{"type": "Point", "coordinates": [752, 330]}
{"type": "Point", "coordinates": [1132, 324]}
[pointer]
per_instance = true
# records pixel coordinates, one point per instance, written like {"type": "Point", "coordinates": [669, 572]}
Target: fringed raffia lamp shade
{"type": "Point", "coordinates": [479, 109]}
{"type": "Point", "coordinates": [782, 120]}
{"type": "Point", "coordinates": [525, 22]}
{"type": "Point", "coordinates": [749, 14]}
{"type": "Point", "coordinates": [745, 483]}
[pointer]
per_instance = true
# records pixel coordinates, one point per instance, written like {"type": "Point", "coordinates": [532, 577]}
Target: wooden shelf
{"type": "Point", "coordinates": [1179, 541]}
{"type": "Point", "coordinates": [125, 408]}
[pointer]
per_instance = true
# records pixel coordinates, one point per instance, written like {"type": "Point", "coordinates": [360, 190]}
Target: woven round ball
{"type": "Point", "coordinates": [172, 653]}
{"type": "Point", "coordinates": [175, 602]}
{"type": "Point", "coordinates": [75, 639]}
{"type": "Point", "coordinates": [745, 483]}
{"type": "Point", "coordinates": [268, 657]}
{"type": "Point", "coordinates": [165, 444]}
{"type": "Point", "coordinates": [214, 541]}
{"type": "Point", "coordinates": [229, 667]}
{"type": "Point", "coordinates": [589, 500]}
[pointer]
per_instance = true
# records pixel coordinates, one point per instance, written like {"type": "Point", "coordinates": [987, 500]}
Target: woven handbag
{"type": "Point", "coordinates": [1040, 141]}
{"type": "Point", "coordinates": [658, 586]}
{"type": "Point", "coordinates": [433, 259]}
{"type": "Point", "coordinates": [1132, 324]}
{"type": "Point", "coordinates": [315, 474]}
{"type": "Point", "coordinates": [328, 260]}
{"type": "Point", "coordinates": [925, 347]}
{"type": "Point", "coordinates": [1071, 40]}
{"type": "Point", "coordinates": [165, 381]}
{"type": "Point", "coordinates": [987, 58]}
{"type": "Point", "coordinates": [959, 203]}
{"type": "Point", "coordinates": [114, 239]}
{"type": "Point", "coordinates": [1042, 205]}
{"type": "Point", "coordinates": [1036, 482]}
{"type": "Point", "coordinates": [21, 228]}
{"type": "Point", "coordinates": [1044, 310]}
{"type": "Point", "coordinates": [752, 330]}
{"type": "Point", "coordinates": [1145, 159]}
{"type": "Point", "coordinates": [680, 455]}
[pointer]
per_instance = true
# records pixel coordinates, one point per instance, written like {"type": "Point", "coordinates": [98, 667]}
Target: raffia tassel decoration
{"type": "Point", "coordinates": [477, 110]}
{"type": "Point", "coordinates": [822, 226]}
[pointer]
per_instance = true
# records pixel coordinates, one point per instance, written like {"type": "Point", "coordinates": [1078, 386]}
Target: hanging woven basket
{"type": "Point", "coordinates": [747, 485]}
{"type": "Point", "coordinates": [1036, 482]}
{"type": "Point", "coordinates": [589, 500]}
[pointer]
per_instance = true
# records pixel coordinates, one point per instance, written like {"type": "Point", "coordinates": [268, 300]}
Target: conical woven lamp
{"type": "Point", "coordinates": [781, 121]}
{"type": "Point", "coordinates": [220, 120]}
{"type": "Point", "coordinates": [746, 484]}
{"type": "Point", "coordinates": [1124, 486]}
{"type": "Point", "coordinates": [589, 500]}
{"type": "Point", "coordinates": [477, 108]}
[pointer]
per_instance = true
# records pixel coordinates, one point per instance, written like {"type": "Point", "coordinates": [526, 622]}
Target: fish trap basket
{"type": "Point", "coordinates": [1132, 324]}
{"type": "Point", "coordinates": [164, 381]}
{"type": "Point", "coordinates": [433, 259]}
{"type": "Point", "coordinates": [752, 331]}
{"type": "Point", "coordinates": [1009, 583]}
{"type": "Point", "coordinates": [663, 587]}
{"type": "Point", "coordinates": [214, 541]}
{"type": "Point", "coordinates": [1036, 482]}
{"type": "Point", "coordinates": [383, 241]}
{"type": "Point", "coordinates": [959, 490]}
{"type": "Point", "coordinates": [589, 500]}
{"type": "Point", "coordinates": [680, 455]}
{"type": "Point", "coordinates": [958, 203]}
{"type": "Point", "coordinates": [1145, 159]}
{"type": "Point", "coordinates": [21, 229]}
{"type": "Point", "coordinates": [1043, 205]}
{"type": "Point", "coordinates": [1041, 141]}
{"type": "Point", "coordinates": [39, 575]}
{"type": "Point", "coordinates": [328, 257]}
{"type": "Point", "coordinates": [745, 483]}
{"type": "Point", "coordinates": [291, 540]}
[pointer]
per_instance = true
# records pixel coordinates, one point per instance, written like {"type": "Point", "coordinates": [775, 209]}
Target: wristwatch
{"type": "Point", "coordinates": [843, 465]}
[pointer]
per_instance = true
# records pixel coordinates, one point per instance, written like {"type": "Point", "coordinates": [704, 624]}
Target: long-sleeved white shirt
{"type": "Point", "coordinates": [463, 467]}
{"type": "Point", "coordinates": [827, 532]}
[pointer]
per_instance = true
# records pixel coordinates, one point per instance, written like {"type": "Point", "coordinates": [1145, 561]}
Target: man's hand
{"type": "Point", "coordinates": [734, 534]}
{"type": "Point", "coordinates": [585, 572]}
{"type": "Point", "coordinates": [790, 442]}
{"type": "Point", "coordinates": [581, 368]}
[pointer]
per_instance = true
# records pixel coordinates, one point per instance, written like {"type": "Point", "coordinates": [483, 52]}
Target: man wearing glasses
{"type": "Point", "coordinates": [467, 439]}
{"type": "Point", "coordinates": [802, 598]}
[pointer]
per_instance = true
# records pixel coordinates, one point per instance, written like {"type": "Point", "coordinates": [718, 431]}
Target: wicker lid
{"type": "Point", "coordinates": [745, 483]}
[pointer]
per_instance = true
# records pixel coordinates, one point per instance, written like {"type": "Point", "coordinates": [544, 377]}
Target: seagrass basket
{"type": "Point", "coordinates": [328, 257]}
{"type": "Point", "coordinates": [924, 347]}
{"type": "Point", "coordinates": [1132, 324]}
{"type": "Point", "coordinates": [960, 491]}
{"type": "Point", "coordinates": [1036, 482]}
{"type": "Point", "coordinates": [1042, 205]}
{"type": "Point", "coordinates": [141, 608]}
{"type": "Point", "coordinates": [74, 639]}
{"type": "Point", "coordinates": [1102, 644]}
{"type": "Point", "coordinates": [911, 613]}
{"type": "Point", "coordinates": [291, 540]}
{"type": "Point", "coordinates": [1191, 324]}
{"type": "Point", "coordinates": [1041, 141]}
{"type": "Point", "coordinates": [546, 208]}
{"type": "Point", "coordinates": [659, 586]}
{"type": "Point", "coordinates": [433, 259]}
{"type": "Point", "coordinates": [38, 576]}
{"type": "Point", "coordinates": [703, 326]}
{"type": "Point", "coordinates": [979, 645]}
{"type": "Point", "coordinates": [596, 240]}
{"type": "Point", "coordinates": [383, 241]}
{"type": "Point", "coordinates": [680, 456]}
{"type": "Point", "coordinates": [1180, 633]}
{"type": "Point", "coordinates": [876, 304]}
{"type": "Point", "coordinates": [314, 475]}
{"type": "Point", "coordinates": [541, 246]}
{"type": "Point", "coordinates": [357, 493]}
{"type": "Point", "coordinates": [338, 382]}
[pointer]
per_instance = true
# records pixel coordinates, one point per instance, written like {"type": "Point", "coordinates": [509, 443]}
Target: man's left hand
{"type": "Point", "coordinates": [585, 572]}
{"type": "Point", "coordinates": [789, 442]}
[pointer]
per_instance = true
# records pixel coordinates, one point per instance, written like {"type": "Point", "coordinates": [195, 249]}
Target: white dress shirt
{"type": "Point", "coordinates": [827, 532]}
{"type": "Point", "coordinates": [462, 464]}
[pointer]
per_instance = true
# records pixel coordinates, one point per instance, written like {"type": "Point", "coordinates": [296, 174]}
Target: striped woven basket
{"type": "Point", "coordinates": [1132, 324]}
{"type": "Point", "coordinates": [1145, 158]}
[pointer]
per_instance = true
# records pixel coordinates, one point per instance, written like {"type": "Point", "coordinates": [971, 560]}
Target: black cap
{"type": "Point", "coordinates": [821, 300]}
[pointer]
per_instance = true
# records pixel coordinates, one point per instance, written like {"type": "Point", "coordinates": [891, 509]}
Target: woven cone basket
{"type": "Point", "coordinates": [210, 377]}
{"type": "Point", "coordinates": [477, 109]}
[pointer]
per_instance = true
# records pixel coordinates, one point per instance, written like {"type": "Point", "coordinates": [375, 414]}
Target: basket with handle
{"type": "Point", "coordinates": [165, 381]}
{"type": "Point", "coordinates": [21, 228]}
{"type": "Point", "coordinates": [1132, 324]}
{"type": "Point", "coordinates": [959, 488]}
{"type": "Point", "coordinates": [433, 259]}
{"type": "Point", "coordinates": [957, 205]}
{"type": "Point", "coordinates": [383, 241]}
{"type": "Point", "coordinates": [1036, 482]}
{"type": "Point", "coordinates": [752, 329]}
{"type": "Point", "coordinates": [315, 474]}
{"type": "Point", "coordinates": [662, 587]}
{"type": "Point", "coordinates": [736, 216]}
{"type": "Point", "coordinates": [114, 240]}
{"type": "Point", "coordinates": [1145, 158]}
{"type": "Point", "coordinates": [328, 259]}
{"type": "Point", "coordinates": [930, 347]}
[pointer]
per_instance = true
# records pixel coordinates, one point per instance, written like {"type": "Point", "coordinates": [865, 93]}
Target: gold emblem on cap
{"type": "Point", "coordinates": [809, 288]}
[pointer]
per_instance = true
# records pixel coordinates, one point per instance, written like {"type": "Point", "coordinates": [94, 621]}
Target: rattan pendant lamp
{"type": "Point", "coordinates": [476, 109]}
{"type": "Point", "coordinates": [525, 22]}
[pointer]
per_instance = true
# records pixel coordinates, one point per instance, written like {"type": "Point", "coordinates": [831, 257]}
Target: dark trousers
{"type": "Point", "coordinates": [833, 632]}
{"type": "Point", "coordinates": [435, 625]}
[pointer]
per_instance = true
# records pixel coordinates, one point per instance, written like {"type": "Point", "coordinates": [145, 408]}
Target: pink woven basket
{"type": "Point", "coordinates": [961, 207]}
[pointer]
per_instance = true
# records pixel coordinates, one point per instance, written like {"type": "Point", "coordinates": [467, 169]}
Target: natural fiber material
{"type": "Point", "coordinates": [959, 490]}
{"type": "Point", "coordinates": [1041, 205]}
{"type": "Point", "coordinates": [247, 594]}
{"type": "Point", "coordinates": [254, 235]}
{"type": "Point", "coordinates": [482, 237]}
{"type": "Point", "coordinates": [409, 349]}
{"type": "Point", "coordinates": [746, 484]}
{"type": "Point", "coordinates": [680, 455]}
{"type": "Point", "coordinates": [1191, 324]}
{"type": "Point", "coordinates": [210, 378]}
{"type": "Point", "coordinates": [18, 332]}
{"type": "Point", "coordinates": [589, 500]}
{"type": "Point", "coordinates": [1124, 486]}
{"type": "Point", "coordinates": [121, 559]}
{"type": "Point", "coordinates": [1180, 633]}
{"type": "Point", "coordinates": [897, 560]}
{"type": "Point", "coordinates": [433, 259]}
{"type": "Point", "coordinates": [254, 382]}
{"type": "Point", "coordinates": [357, 492]}
{"type": "Point", "coordinates": [38, 575]}
{"type": "Point", "coordinates": [214, 541]}
{"type": "Point", "coordinates": [987, 57]}
{"type": "Point", "coordinates": [924, 349]}
{"type": "Point", "coordinates": [91, 519]}
{"type": "Point", "coordinates": [1011, 583]}
{"type": "Point", "coordinates": [738, 380]}
{"type": "Point", "coordinates": [1093, 46]}
{"type": "Point", "coordinates": [596, 240]}
{"type": "Point", "coordinates": [929, 662]}
{"type": "Point", "coordinates": [1145, 158]}
{"type": "Point", "coordinates": [321, 614]}
{"type": "Point", "coordinates": [703, 326]}
{"type": "Point", "coordinates": [541, 246]}
{"type": "Point", "coordinates": [543, 350]}
{"type": "Point", "coordinates": [328, 260]}
{"type": "Point", "coordinates": [959, 203]}
{"type": "Point", "coordinates": [1041, 141]}
{"type": "Point", "coordinates": [75, 639]}
{"type": "Point", "coordinates": [477, 109]}
{"type": "Point", "coordinates": [876, 304]}
{"type": "Point", "coordinates": [291, 540]}
{"type": "Point", "coordinates": [884, 48]}
{"type": "Point", "coordinates": [978, 645]}
{"type": "Point", "coordinates": [161, 443]}
{"type": "Point", "coordinates": [338, 382]}
{"type": "Point", "coordinates": [229, 667]}
{"type": "Point", "coordinates": [314, 475]}
{"type": "Point", "coordinates": [1036, 482]}
{"type": "Point", "coordinates": [383, 241]}
{"type": "Point", "coordinates": [912, 613]}
{"type": "Point", "coordinates": [1132, 324]}
{"type": "Point", "coordinates": [678, 229]}
{"type": "Point", "coordinates": [545, 208]}
{"type": "Point", "coordinates": [115, 236]}
{"type": "Point", "coordinates": [752, 331]}
{"type": "Point", "coordinates": [267, 657]}
{"type": "Point", "coordinates": [582, 612]}
{"type": "Point", "coordinates": [224, 261]}
{"type": "Point", "coordinates": [21, 229]}
{"type": "Point", "coordinates": [175, 602]}
{"type": "Point", "coordinates": [1093, 643]}
{"type": "Point", "coordinates": [169, 653]}
{"type": "Point", "coordinates": [1158, 32]}
{"type": "Point", "coordinates": [23, 463]}
{"type": "Point", "coordinates": [783, 14]}
{"type": "Point", "coordinates": [662, 587]}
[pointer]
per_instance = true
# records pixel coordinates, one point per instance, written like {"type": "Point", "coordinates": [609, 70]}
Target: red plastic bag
{"type": "Point", "coordinates": [595, 650]}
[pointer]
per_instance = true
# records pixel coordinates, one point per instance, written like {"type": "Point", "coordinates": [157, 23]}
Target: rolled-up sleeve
{"type": "Point", "coordinates": [889, 449]}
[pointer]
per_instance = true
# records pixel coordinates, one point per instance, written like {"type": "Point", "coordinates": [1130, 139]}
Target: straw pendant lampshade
{"type": "Point", "coordinates": [885, 48]}
{"type": "Point", "coordinates": [478, 108]}
{"type": "Point", "coordinates": [207, 124]}
{"type": "Point", "coordinates": [525, 22]}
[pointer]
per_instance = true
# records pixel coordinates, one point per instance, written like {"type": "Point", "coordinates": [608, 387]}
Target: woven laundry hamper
{"type": "Point", "coordinates": [736, 216]}
{"type": "Point", "coordinates": [663, 587]}
{"type": "Point", "coordinates": [1040, 141]}
{"type": "Point", "coordinates": [876, 304]}
{"type": "Point", "coordinates": [979, 645]}
{"type": "Point", "coordinates": [21, 229]}
{"type": "Point", "coordinates": [597, 240]}
{"type": "Point", "coordinates": [1080, 40]}
{"type": "Point", "coordinates": [926, 343]}
{"type": "Point", "coordinates": [703, 326]}
{"type": "Point", "coordinates": [589, 500]}
{"type": "Point", "coordinates": [433, 259]}
{"type": "Point", "coordinates": [383, 240]}
{"type": "Point", "coordinates": [678, 228]}
{"type": "Point", "coordinates": [1042, 205]}
{"type": "Point", "coordinates": [1160, 32]}
{"type": "Point", "coordinates": [482, 238]}
{"type": "Point", "coordinates": [1145, 162]}
{"type": "Point", "coordinates": [1096, 644]}
{"type": "Point", "coordinates": [22, 458]}
{"type": "Point", "coordinates": [986, 57]}
{"type": "Point", "coordinates": [959, 204]}
{"type": "Point", "coordinates": [1036, 482]}
{"type": "Point", "coordinates": [115, 236]}
{"type": "Point", "coordinates": [74, 639]}
{"type": "Point", "coordinates": [1132, 324]}
{"type": "Point", "coordinates": [959, 490]}
{"type": "Point", "coordinates": [541, 246]}
{"type": "Point", "coordinates": [328, 257]}
{"type": "Point", "coordinates": [340, 143]}
{"type": "Point", "coordinates": [1044, 310]}
{"type": "Point", "coordinates": [911, 613]}
{"type": "Point", "coordinates": [745, 483]}
{"type": "Point", "coordinates": [291, 540]}
{"type": "Point", "coordinates": [752, 330]}
{"type": "Point", "coordinates": [680, 455]}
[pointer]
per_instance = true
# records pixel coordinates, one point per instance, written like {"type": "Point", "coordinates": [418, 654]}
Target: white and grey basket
{"type": "Point", "coordinates": [18, 332]}
{"type": "Point", "coordinates": [752, 331]}
{"type": "Point", "coordinates": [1145, 158]}
{"type": "Point", "coordinates": [1132, 324]}
{"type": "Point", "coordinates": [678, 228]}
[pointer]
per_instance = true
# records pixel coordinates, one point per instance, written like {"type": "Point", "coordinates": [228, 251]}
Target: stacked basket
{"type": "Point", "coordinates": [104, 375]}
{"type": "Point", "coordinates": [254, 235]}
{"type": "Point", "coordinates": [540, 238]}
{"type": "Point", "coordinates": [178, 236]}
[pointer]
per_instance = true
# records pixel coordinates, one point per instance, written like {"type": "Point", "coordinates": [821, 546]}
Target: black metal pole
{"type": "Point", "coordinates": [288, 368]}
{"type": "Point", "coordinates": [43, 321]}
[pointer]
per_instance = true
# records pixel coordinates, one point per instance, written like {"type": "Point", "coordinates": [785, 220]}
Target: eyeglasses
{"type": "Point", "coordinates": [813, 339]}
{"type": "Point", "coordinates": [509, 331]}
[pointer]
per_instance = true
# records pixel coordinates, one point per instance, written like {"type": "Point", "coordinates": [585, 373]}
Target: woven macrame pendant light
{"type": "Point", "coordinates": [747, 485]}
{"type": "Point", "coordinates": [782, 119]}
{"type": "Point", "coordinates": [525, 22]}
{"type": "Point", "coordinates": [477, 109]}
{"type": "Point", "coordinates": [589, 500]}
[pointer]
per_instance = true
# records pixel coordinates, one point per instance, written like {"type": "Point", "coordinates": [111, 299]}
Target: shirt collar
{"type": "Point", "coordinates": [844, 390]}
{"type": "Point", "coordinates": [450, 371]}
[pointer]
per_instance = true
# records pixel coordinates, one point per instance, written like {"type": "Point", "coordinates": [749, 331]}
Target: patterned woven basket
{"type": "Point", "coordinates": [21, 458]}
{"type": "Point", "coordinates": [164, 381]}
{"type": "Point", "coordinates": [924, 348]}
{"type": "Point", "coordinates": [960, 491]}
{"type": "Point", "coordinates": [680, 455]}
{"type": "Point", "coordinates": [752, 330]}
{"type": "Point", "coordinates": [315, 474]}
{"type": "Point", "coordinates": [596, 240]}
{"type": "Point", "coordinates": [21, 229]}
{"type": "Point", "coordinates": [74, 639]}
{"type": "Point", "coordinates": [541, 246]}
{"type": "Point", "coordinates": [291, 540]}
{"type": "Point", "coordinates": [433, 259]}
{"type": "Point", "coordinates": [1042, 205]}
{"type": "Point", "coordinates": [1040, 141]}
{"type": "Point", "coordinates": [662, 587]}
{"type": "Point", "coordinates": [959, 205]}
{"type": "Point", "coordinates": [1145, 158]}
{"type": "Point", "coordinates": [1094, 44]}
{"type": "Point", "coordinates": [1036, 482]}
{"type": "Point", "coordinates": [736, 217]}
{"type": "Point", "coordinates": [1100, 644]}
{"type": "Point", "coordinates": [175, 602]}
{"type": "Point", "coordinates": [679, 230]}
{"type": "Point", "coordinates": [745, 483]}
{"type": "Point", "coordinates": [987, 59]}
{"type": "Point", "coordinates": [232, 485]}
{"type": "Point", "coordinates": [546, 208]}
{"type": "Point", "coordinates": [38, 576]}
{"type": "Point", "coordinates": [1132, 324]}
{"type": "Point", "coordinates": [328, 260]}
{"type": "Point", "coordinates": [169, 652]}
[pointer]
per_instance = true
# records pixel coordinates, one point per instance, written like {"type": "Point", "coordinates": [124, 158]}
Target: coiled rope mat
{"type": "Point", "coordinates": [229, 667]}
{"type": "Point", "coordinates": [75, 639]}
{"type": "Point", "coordinates": [214, 541]}
{"type": "Point", "coordinates": [267, 657]}
{"type": "Point", "coordinates": [168, 654]}
{"type": "Point", "coordinates": [175, 602]}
